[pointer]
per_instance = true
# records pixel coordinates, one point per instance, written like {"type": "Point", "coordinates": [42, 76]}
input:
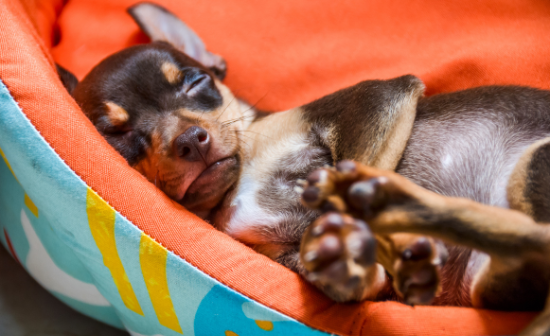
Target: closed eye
{"type": "Point", "coordinates": [195, 81]}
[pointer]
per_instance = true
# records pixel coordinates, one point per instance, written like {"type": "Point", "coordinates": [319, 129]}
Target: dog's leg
{"type": "Point", "coordinates": [516, 276]}
{"type": "Point", "coordinates": [339, 251]}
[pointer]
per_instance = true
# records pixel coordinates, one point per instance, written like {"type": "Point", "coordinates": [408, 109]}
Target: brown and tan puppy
{"type": "Point", "coordinates": [163, 107]}
{"type": "Point", "coordinates": [167, 112]}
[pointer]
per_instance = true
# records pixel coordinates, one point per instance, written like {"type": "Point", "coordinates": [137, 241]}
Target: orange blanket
{"type": "Point", "coordinates": [281, 54]}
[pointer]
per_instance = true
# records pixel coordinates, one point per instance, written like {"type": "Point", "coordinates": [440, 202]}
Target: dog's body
{"type": "Point", "coordinates": [460, 146]}
{"type": "Point", "coordinates": [169, 116]}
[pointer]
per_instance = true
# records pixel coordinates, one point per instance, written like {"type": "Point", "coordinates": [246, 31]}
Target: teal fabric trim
{"type": "Point", "coordinates": [58, 250]}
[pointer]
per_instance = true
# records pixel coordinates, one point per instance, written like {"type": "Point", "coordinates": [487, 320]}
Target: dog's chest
{"type": "Point", "coordinates": [265, 209]}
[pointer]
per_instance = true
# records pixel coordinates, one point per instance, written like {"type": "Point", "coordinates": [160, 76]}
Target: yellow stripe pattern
{"type": "Point", "coordinates": [7, 163]}
{"type": "Point", "coordinates": [265, 325]}
{"type": "Point", "coordinates": [101, 218]}
{"type": "Point", "coordinates": [152, 257]}
{"type": "Point", "coordinates": [30, 204]}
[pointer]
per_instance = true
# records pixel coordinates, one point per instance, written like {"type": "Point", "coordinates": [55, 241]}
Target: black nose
{"type": "Point", "coordinates": [193, 144]}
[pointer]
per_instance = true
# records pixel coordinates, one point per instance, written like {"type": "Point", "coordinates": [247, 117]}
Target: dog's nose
{"type": "Point", "coordinates": [193, 144]}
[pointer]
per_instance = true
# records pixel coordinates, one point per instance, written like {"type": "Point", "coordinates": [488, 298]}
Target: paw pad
{"type": "Point", "coordinates": [335, 242]}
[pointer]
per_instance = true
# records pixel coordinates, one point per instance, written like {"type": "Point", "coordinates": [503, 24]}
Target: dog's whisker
{"type": "Point", "coordinates": [232, 121]}
{"type": "Point", "coordinates": [257, 102]}
{"type": "Point", "coordinates": [225, 109]}
{"type": "Point", "coordinates": [258, 133]}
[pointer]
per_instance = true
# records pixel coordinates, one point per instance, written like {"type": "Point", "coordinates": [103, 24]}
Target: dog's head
{"type": "Point", "coordinates": [163, 107]}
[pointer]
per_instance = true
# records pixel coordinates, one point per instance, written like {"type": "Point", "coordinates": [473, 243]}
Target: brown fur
{"type": "Point", "coordinates": [518, 181]}
{"type": "Point", "coordinates": [379, 115]}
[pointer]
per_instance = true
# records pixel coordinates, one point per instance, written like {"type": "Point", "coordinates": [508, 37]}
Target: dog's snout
{"type": "Point", "coordinates": [193, 144]}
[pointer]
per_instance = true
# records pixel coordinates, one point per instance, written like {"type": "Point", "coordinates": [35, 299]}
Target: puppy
{"type": "Point", "coordinates": [163, 107]}
{"type": "Point", "coordinates": [261, 178]}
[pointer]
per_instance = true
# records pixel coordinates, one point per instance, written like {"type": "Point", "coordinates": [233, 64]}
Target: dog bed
{"type": "Point", "coordinates": [106, 242]}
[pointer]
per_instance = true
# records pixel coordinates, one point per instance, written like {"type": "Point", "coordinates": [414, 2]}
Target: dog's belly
{"type": "Point", "coordinates": [465, 158]}
{"type": "Point", "coordinates": [469, 155]}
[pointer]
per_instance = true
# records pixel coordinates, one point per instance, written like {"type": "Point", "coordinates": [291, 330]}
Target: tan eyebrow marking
{"type": "Point", "coordinates": [117, 115]}
{"type": "Point", "coordinates": [171, 72]}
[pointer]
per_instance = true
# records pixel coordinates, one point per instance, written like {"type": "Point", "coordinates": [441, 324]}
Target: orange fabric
{"type": "Point", "coordinates": [43, 15]}
{"type": "Point", "coordinates": [291, 53]}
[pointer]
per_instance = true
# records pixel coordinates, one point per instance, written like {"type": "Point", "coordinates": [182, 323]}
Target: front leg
{"type": "Point", "coordinates": [517, 275]}
{"type": "Point", "coordinates": [339, 251]}
{"type": "Point", "coordinates": [391, 203]}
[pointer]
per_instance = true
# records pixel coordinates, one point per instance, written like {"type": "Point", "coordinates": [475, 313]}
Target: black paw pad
{"type": "Point", "coordinates": [318, 176]}
{"type": "Point", "coordinates": [421, 295]}
{"type": "Point", "coordinates": [331, 222]}
{"type": "Point", "coordinates": [361, 244]}
{"type": "Point", "coordinates": [365, 195]}
{"type": "Point", "coordinates": [311, 194]}
{"type": "Point", "coordinates": [421, 249]}
{"type": "Point", "coordinates": [329, 248]}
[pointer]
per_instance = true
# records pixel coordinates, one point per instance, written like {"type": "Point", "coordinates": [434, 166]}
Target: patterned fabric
{"type": "Point", "coordinates": [96, 261]}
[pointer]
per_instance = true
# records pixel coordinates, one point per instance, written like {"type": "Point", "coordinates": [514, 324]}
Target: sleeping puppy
{"type": "Point", "coordinates": [167, 112]}
{"type": "Point", "coordinates": [262, 180]}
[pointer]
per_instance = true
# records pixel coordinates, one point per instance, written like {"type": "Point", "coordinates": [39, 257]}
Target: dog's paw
{"type": "Point", "coordinates": [338, 252]}
{"type": "Point", "coordinates": [417, 268]}
{"type": "Point", "coordinates": [353, 188]}
{"type": "Point", "coordinates": [368, 193]}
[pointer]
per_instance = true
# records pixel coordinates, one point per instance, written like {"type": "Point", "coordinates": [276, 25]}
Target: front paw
{"type": "Point", "coordinates": [378, 197]}
{"type": "Point", "coordinates": [361, 191]}
{"type": "Point", "coordinates": [338, 253]}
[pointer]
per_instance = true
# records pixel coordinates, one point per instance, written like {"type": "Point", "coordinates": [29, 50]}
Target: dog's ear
{"type": "Point", "coordinates": [369, 122]}
{"type": "Point", "coordinates": [67, 78]}
{"type": "Point", "coordinates": [161, 25]}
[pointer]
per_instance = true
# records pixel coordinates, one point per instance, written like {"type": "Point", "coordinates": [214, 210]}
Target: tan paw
{"type": "Point", "coordinates": [365, 192]}
{"type": "Point", "coordinates": [337, 251]}
{"type": "Point", "coordinates": [353, 188]}
{"type": "Point", "coordinates": [417, 269]}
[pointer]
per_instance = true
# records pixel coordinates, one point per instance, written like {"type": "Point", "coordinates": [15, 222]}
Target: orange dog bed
{"type": "Point", "coordinates": [279, 55]}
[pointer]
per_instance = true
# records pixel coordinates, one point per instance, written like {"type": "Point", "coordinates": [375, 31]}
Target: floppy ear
{"type": "Point", "coordinates": [161, 25]}
{"type": "Point", "coordinates": [369, 122]}
{"type": "Point", "coordinates": [67, 78]}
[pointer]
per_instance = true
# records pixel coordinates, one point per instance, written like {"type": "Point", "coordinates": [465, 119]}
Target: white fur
{"type": "Point", "coordinates": [247, 211]}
